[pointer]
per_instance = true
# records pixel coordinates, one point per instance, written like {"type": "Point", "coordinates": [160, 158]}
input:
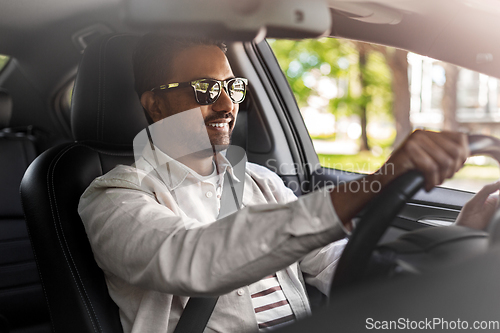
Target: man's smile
{"type": "Point", "coordinates": [219, 125]}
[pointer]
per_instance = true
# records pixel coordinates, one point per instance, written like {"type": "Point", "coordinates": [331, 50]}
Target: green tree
{"type": "Point", "coordinates": [361, 67]}
{"type": "Point", "coordinates": [298, 59]}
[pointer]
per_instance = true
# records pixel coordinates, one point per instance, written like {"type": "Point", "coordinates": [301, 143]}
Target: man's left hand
{"type": "Point", "coordinates": [478, 211]}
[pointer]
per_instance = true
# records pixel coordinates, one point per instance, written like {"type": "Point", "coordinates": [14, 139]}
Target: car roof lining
{"type": "Point", "coordinates": [37, 14]}
{"type": "Point", "coordinates": [48, 53]}
{"type": "Point", "coordinates": [458, 32]}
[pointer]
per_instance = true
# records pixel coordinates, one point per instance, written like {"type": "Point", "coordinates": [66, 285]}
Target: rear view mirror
{"type": "Point", "coordinates": [232, 20]}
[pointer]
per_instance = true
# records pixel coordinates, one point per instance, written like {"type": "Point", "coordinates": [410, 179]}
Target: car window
{"type": "Point", "coordinates": [62, 107]}
{"type": "Point", "coordinates": [360, 100]}
{"type": "Point", "coordinates": [4, 59]}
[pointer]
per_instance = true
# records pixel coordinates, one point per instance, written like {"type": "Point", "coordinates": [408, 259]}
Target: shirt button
{"type": "Point", "coordinates": [240, 292]}
{"type": "Point", "coordinates": [209, 194]}
{"type": "Point", "coordinates": [316, 221]}
{"type": "Point", "coordinates": [264, 247]}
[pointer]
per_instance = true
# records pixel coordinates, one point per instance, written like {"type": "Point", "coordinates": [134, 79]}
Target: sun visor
{"type": "Point", "coordinates": [232, 20]}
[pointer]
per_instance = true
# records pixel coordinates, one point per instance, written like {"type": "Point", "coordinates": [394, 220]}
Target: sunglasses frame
{"type": "Point", "coordinates": [222, 84]}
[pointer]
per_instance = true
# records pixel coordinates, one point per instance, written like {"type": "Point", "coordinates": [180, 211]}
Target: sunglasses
{"type": "Point", "coordinates": [207, 91]}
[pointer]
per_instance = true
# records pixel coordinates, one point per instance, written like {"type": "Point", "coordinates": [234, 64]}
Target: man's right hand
{"type": "Point", "coordinates": [438, 155]}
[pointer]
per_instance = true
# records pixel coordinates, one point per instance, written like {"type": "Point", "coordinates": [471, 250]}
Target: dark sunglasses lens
{"type": "Point", "coordinates": [207, 91]}
{"type": "Point", "coordinates": [237, 90]}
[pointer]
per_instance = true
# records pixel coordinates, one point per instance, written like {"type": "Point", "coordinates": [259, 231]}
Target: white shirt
{"type": "Point", "coordinates": [156, 250]}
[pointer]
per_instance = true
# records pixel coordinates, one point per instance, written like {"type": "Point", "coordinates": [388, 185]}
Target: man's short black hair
{"type": "Point", "coordinates": [153, 57]}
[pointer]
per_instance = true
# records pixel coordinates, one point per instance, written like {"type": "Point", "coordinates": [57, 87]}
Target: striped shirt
{"type": "Point", "coordinates": [272, 309]}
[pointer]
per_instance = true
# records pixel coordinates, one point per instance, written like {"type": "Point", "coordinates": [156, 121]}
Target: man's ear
{"type": "Point", "coordinates": [151, 104]}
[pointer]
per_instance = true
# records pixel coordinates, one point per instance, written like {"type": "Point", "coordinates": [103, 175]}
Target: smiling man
{"type": "Point", "coordinates": [191, 66]}
{"type": "Point", "coordinates": [155, 228]}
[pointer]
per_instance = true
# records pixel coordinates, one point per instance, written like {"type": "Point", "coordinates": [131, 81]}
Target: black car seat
{"type": "Point", "coordinates": [22, 305]}
{"type": "Point", "coordinates": [105, 117]}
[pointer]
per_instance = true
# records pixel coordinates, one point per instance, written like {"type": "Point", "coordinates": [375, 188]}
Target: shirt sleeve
{"type": "Point", "coordinates": [318, 267]}
{"type": "Point", "coordinates": [147, 244]}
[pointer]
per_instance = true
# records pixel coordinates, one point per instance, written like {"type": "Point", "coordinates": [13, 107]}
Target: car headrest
{"type": "Point", "coordinates": [5, 109]}
{"type": "Point", "coordinates": [105, 106]}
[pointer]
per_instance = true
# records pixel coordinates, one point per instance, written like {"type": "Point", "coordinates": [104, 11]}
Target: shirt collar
{"type": "Point", "coordinates": [173, 173]}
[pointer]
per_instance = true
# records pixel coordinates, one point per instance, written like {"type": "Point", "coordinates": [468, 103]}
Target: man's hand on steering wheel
{"type": "Point", "coordinates": [438, 155]}
{"type": "Point", "coordinates": [424, 159]}
{"type": "Point", "coordinates": [478, 211]}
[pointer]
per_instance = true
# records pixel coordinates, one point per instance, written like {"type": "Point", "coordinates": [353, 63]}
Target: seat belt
{"type": "Point", "coordinates": [196, 314]}
{"type": "Point", "coordinates": [198, 310]}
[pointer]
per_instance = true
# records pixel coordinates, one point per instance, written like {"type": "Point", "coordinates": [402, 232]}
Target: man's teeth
{"type": "Point", "coordinates": [217, 124]}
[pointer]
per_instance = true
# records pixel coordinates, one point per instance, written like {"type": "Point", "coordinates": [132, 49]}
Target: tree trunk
{"type": "Point", "coordinates": [398, 62]}
{"type": "Point", "coordinates": [449, 101]}
{"type": "Point", "coordinates": [363, 118]}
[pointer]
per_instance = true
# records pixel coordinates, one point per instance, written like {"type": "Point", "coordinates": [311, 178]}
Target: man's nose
{"type": "Point", "coordinates": [223, 103]}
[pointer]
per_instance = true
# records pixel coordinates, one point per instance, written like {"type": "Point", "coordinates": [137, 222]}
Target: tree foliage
{"type": "Point", "coordinates": [3, 60]}
{"type": "Point", "coordinates": [362, 89]}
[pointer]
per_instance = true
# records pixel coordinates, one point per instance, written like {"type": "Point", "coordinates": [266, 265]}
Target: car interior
{"type": "Point", "coordinates": [69, 113]}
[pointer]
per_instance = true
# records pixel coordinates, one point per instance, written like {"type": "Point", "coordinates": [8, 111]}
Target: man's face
{"type": "Point", "coordinates": [199, 62]}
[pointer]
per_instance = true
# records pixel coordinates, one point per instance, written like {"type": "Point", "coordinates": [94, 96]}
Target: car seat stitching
{"type": "Point", "coordinates": [108, 153]}
{"type": "Point", "coordinates": [51, 187]}
{"type": "Point", "coordinates": [101, 132]}
{"type": "Point", "coordinates": [39, 273]}
{"type": "Point", "coordinates": [99, 92]}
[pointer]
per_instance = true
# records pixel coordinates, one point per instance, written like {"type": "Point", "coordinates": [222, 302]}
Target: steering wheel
{"type": "Point", "coordinates": [382, 210]}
